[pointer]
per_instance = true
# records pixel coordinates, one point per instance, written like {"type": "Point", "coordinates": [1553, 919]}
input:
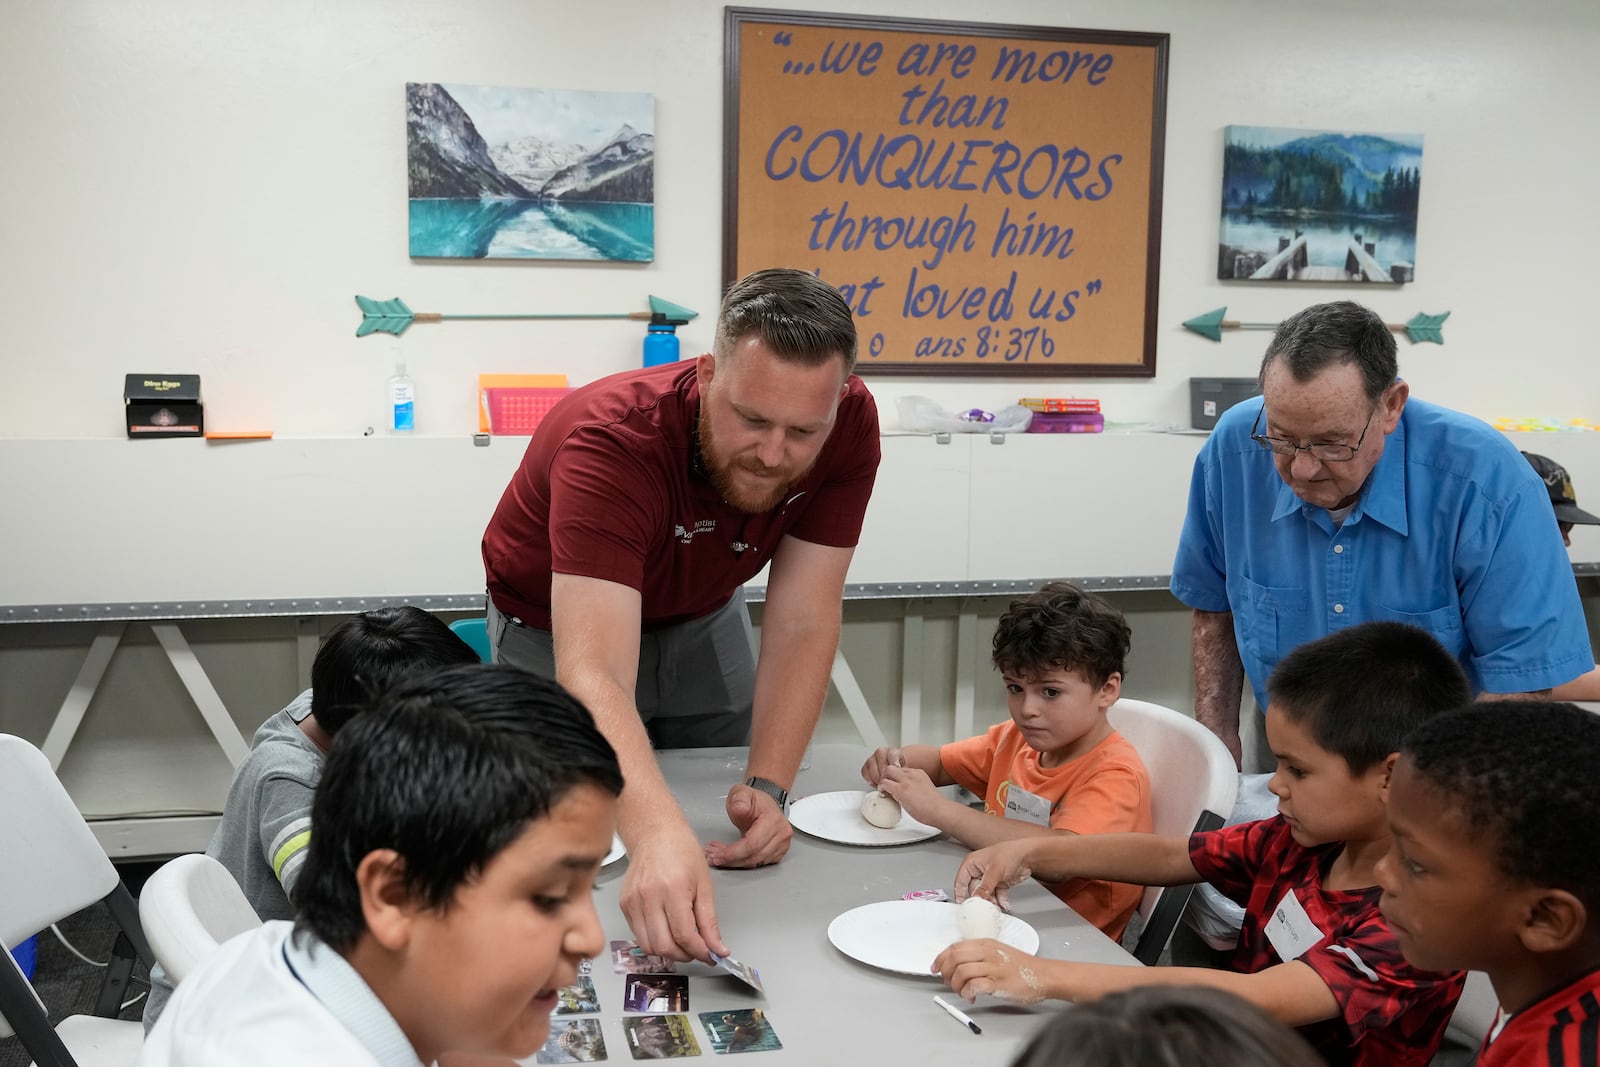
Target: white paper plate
{"type": "Point", "coordinates": [616, 853]}
{"type": "Point", "coordinates": [906, 935]}
{"type": "Point", "coordinates": [837, 817]}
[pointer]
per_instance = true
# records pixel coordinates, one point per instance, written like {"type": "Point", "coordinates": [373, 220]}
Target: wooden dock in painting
{"type": "Point", "coordinates": [1360, 264]}
{"type": "Point", "coordinates": [1288, 263]}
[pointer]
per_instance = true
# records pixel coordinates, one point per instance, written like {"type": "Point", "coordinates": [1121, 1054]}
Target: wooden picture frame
{"type": "Point", "coordinates": [986, 197]}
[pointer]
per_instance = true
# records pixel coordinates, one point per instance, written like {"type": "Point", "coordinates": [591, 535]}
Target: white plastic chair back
{"type": "Point", "coordinates": [1191, 774]}
{"type": "Point", "coordinates": [189, 907]}
{"type": "Point", "coordinates": [54, 867]}
{"type": "Point", "coordinates": [1475, 1011]}
{"type": "Point", "coordinates": [53, 864]}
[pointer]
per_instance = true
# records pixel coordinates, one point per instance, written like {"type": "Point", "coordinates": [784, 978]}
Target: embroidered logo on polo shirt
{"type": "Point", "coordinates": [686, 535]}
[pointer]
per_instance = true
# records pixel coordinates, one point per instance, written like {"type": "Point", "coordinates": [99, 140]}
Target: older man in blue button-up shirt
{"type": "Point", "coordinates": [1332, 500]}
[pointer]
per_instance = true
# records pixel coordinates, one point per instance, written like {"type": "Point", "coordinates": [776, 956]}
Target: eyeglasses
{"type": "Point", "coordinates": [1321, 451]}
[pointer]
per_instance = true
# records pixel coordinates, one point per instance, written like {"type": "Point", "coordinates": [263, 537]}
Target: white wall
{"type": "Point", "coordinates": [202, 186]}
{"type": "Point", "coordinates": [194, 186]}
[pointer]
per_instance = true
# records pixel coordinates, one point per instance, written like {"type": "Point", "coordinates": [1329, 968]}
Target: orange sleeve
{"type": "Point", "coordinates": [970, 762]}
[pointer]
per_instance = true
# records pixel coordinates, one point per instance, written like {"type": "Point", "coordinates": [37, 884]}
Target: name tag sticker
{"type": "Point", "coordinates": [1290, 929]}
{"type": "Point", "coordinates": [1026, 806]}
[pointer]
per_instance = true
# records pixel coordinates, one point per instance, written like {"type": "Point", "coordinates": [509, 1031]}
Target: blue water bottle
{"type": "Point", "coordinates": [661, 340]}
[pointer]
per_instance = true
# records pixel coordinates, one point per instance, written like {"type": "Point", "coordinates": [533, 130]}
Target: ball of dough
{"type": "Point", "coordinates": [976, 917]}
{"type": "Point", "coordinates": [880, 809]}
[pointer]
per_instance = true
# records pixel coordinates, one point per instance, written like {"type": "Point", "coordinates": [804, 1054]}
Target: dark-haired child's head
{"type": "Point", "coordinates": [1060, 652]}
{"type": "Point", "coordinates": [1337, 710]}
{"type": "Point", "coordinates": [1167, 1026]}
{"type": "Point", "coordinates": [1493, 808]}
{"type": "Point", "coordinates": [1061, 627]}
{"type": "Point", "coordinates": [365, 655]}
{"type": "Point", "coordinates": [458, 827]}
{"type": "Point", "coordinates": [1358, 692]}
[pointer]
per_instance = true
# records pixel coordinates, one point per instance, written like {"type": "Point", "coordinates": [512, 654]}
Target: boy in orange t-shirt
{"type": "Point", "coordinates": [1057, 767]}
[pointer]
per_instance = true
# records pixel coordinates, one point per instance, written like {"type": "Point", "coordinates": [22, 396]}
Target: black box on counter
{"type": "Point", "coordinates": [164, 405]}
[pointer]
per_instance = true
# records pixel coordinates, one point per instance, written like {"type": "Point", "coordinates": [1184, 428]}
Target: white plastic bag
{"type": "Point", "coordinates": [920, 414]}
{"type": "Point", "coordinates": [1210, 914]}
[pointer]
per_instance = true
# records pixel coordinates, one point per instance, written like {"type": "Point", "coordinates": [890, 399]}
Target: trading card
{"type": "Point", "coordinates": [578, 998]}
{"type": "Point", "coordinates": [585, 967]}
{"type": "Point", "coordinates": [746, 1030]}
{"type": "Point", "coordinates": [655, 993]}
{"type": "Point", "coordinates": [574, 1041]}
{"type": "Point", "coordinates": [660, 1037]}
{"type": "Point", "coordinates": [742, 971]}
{"type": "Point", "coordinates": [628, 958]}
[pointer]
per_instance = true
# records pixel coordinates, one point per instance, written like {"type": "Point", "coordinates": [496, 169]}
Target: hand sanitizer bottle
{"type": "Point", "coordinates": [402, 401]}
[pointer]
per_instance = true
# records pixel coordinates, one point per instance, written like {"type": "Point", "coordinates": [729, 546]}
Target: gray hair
{"type": "Point", "coordinates": [1323, 335]}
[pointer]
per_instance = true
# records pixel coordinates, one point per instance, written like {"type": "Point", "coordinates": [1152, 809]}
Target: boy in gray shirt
{"type": "Point", "coordinates": [266, 821]}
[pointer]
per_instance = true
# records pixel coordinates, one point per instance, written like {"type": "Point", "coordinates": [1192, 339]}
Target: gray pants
{"type": "Point", "coordinates": [696, 680]}
{"type": "Point", "coordinates": [1258, 759]}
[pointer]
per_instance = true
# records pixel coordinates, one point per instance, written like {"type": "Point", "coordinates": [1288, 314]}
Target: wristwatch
{"type": "Point", "coordinates": [771, 788]}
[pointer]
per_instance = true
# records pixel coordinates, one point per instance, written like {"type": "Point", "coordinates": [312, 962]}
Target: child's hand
{"type": "Point", "coordinates": [989, 872]}
{"type": "Point", "coordinates": [1005, 973]}
{"type": "Point", "coordinates": [880, 761]}
{"type": "Point", "coordinates": [914, 790]}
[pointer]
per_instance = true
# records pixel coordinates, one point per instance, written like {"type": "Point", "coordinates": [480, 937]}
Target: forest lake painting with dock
{"type": "Point", "coordinates": [497, 173]}
{"type": "Point", "coordinates": [1319, 206]}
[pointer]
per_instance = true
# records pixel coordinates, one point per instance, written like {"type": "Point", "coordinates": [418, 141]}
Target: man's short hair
{"type": "Point", "coordinates": [797, 315]}
{"type": "Point", "coordinates": [1521, 773]}
{"type": "Point", "coordinates": [1310, 341]}
{"type": "Point", "coordinates": [1061, 627]}
{"type": "Point", "coordinates": [447, 771]}
{"type": "Point", "coordinates": [367, 654]}
{"type": "Point", "coordinates": [1359, 692]}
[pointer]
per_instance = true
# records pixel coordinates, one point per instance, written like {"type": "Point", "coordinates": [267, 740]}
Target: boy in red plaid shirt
{"type": "Point", "coordinates": [1315, 951]}
{"type": "Point", "coordinates": [1495, 868]}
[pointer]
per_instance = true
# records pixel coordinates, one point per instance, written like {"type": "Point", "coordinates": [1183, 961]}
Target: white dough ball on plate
{"type": "Point", "coordinates": [976, 917]}
{"type": "Point", "coordinates": [880, 809]}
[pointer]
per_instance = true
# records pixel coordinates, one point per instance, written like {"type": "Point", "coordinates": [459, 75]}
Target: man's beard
{"type": "Point", "coordinates": [722, 471]}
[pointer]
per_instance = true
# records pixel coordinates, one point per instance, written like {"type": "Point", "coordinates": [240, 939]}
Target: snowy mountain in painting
{"type": "Point", "coordinates": [620, 171]}
{"type": "Point", "coordinates": [532, 161]}
{"type": "Point", "coordinates": [445, 155]}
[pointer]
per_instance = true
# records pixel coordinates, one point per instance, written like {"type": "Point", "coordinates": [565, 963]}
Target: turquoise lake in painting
{"type": "Point", "coordinates": [532, 229]}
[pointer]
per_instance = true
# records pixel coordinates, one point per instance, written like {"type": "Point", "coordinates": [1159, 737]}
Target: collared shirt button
{"type": "Point", "coordinates": [1338, 609]}
{"type": "Point", "coordinates": [1338, 549]}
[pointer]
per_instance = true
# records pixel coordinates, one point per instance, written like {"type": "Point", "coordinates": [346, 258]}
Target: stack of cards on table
{"type": "Point", "coordinates": [651, 985]}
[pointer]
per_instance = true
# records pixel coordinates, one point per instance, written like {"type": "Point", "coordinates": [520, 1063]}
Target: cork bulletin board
{"type": "Point", "coordinates": [987, 198]}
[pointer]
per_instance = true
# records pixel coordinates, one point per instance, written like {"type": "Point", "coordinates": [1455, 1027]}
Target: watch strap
{"type": "Point", "coordinates": [771, 788]}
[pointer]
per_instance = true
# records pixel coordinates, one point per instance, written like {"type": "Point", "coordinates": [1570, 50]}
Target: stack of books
{"type": "Point", "coordinates": [1064, 414]}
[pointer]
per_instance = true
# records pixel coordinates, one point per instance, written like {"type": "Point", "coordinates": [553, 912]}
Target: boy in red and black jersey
{"type": "Point", "coordinates": [1495, 868]}
{"type": "Point", "coordinates": [1314, 951]}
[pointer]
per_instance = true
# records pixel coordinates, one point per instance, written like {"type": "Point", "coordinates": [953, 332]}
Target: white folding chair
{"type": "Point", "coordinates": [1474, 1012]}
{"type": "Point", "coordinates": [190, 906]}
{"type": "Point", "coordinates": [53, 868]}
{"type": "Point", "coordinates": [1192, 786]}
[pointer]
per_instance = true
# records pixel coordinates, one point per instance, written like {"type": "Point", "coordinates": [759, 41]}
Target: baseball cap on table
{"type": "Point", "coordinates": [1562, 498]}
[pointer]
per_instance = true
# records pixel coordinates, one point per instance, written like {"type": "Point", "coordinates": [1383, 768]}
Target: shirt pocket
{"type": "Point", "coordinates": [1268, 622]}
{"type": "Point", "coordinates": [1443, 623]}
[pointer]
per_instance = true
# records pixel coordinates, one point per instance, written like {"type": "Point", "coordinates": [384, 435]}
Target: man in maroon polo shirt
{"type": "Point", "coordinates": [616, 558]}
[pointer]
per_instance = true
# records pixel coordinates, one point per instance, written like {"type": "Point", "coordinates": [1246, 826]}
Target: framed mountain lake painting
{"type": "Point", "coordinates": [505, 173]}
